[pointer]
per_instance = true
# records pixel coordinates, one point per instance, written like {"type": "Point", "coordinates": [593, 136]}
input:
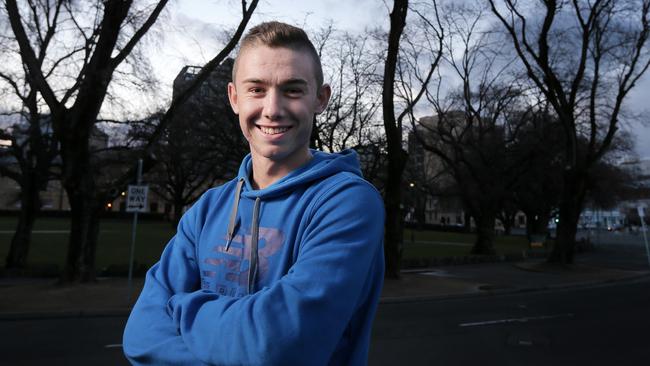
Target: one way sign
{"type": "Point", "coordinates": [136, 201]}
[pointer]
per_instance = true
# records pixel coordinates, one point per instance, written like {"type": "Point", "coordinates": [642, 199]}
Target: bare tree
{"type": "Point", "coordinates": [105, 34]}
{"type": "Point", "coordinates": [409, 93]}
{"type": "Point", "coordinates": [28, 162]}
{"type": "Point", "coordinates": [146, 149]}
{"type": "Point", "coordinates": [609, 183]}
{"type": "Point", "coordinates": [351, 120]}
{"type": "Point", "coordinates": [584, 57]}
{"type": "Point", "coordinates": [537, 191]}
{"type": "Point", "coordinates": [29, 158]}
{"type": "Point", "coordinates": [90, 65]}
{"type": "Point", "coordinates": [474, 126]}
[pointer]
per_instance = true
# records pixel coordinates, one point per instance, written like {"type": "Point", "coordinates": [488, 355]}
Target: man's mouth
{"type": "Point", "coordinates": [273, 130]}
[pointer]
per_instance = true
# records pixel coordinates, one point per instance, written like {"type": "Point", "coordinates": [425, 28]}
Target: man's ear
{"type": "Point", "coordinates": [323, 97]}
{"type": "Point", "coordinates": [232, 97]}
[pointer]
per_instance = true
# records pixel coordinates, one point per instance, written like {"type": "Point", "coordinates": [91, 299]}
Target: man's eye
{"type": "Point", "coordinates": [294, 91]}
{"type": "Point", "coordinates": [256, 90]}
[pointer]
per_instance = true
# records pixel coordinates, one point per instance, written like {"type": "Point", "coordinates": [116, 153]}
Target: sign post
{"type": "Point", "coordinates": [136, 201]}
{"type": "Point", "coordinates": [641, 212]}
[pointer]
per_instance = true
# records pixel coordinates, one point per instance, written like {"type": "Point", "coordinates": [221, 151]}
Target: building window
{"type": "Point", "coordinates": [153, 207]}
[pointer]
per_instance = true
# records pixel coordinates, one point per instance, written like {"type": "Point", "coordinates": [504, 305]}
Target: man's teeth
{"type": "Point", "coordinates": [273, 130]}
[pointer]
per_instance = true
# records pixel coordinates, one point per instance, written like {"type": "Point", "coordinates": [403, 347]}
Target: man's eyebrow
{"type": "Point", "coordinates": [253, 81]}
{"type": "Point", "coordinates": [296, 81]}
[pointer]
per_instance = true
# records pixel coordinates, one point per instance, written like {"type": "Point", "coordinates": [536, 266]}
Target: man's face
{"type": "Point", "coordinates": [276, 97]}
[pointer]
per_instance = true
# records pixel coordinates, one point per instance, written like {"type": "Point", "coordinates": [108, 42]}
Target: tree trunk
{"type": "Point", "coordinates": [484, 244]}
{"type": "Point", "coordinates": [88, 272]}
{"type": "Point", "coordinates": [420, 209]}
{"type": "Point", "coordinates": [573, 195]}
{"type": "Point", "coordinates": [20, 243]}
{"type": "Point", "coordinates": [84, 231]}
{"type": "Point", "coordinates": [85, 208]}
{"type": "Point", "coordinates": [393, 236]}
{"type": "Point", "coordinates": [394, 226]}
{"type": "Point", "coordinates": [178, 212]}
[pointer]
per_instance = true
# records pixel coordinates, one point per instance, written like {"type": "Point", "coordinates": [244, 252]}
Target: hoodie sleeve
{"type": "Point", "coordinates": [151, 337]}
{"type": "Point", "coordinates": [300, 319]}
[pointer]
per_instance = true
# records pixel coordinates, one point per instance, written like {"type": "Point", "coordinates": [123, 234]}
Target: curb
{"type": "Point", "coordinates": [515, 290]}
{"type": "Point", "coordinates": [125, 311]}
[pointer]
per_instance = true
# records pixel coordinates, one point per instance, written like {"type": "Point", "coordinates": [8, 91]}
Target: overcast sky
{"type": "Point", "coordinates": [195, 35]}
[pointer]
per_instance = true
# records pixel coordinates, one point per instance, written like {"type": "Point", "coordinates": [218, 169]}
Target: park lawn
{"type": "Point", "coordinates": [430, 244]}
{"type": "Point", "coordinates": [49, 248]}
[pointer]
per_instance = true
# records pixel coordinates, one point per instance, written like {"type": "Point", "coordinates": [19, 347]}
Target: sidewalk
{"type": "Point", "coordinates": [497, 278]}
{"type": "Point", "coordinates": [43, 298]}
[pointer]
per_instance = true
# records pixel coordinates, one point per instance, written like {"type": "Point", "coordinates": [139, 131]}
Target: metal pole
{"type": "Point", "coordinates": [133, 229]}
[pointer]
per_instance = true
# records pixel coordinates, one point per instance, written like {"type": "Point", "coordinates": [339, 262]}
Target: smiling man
{"type": "Point", "coordinates": [284, 264]}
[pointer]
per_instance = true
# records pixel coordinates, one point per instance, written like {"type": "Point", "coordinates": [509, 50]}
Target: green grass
{"type": "Point", "coordinates": [113, 247]}
{"type": "Point", "coordinates": [429, 244]}
{"type": "Point", "coordinates": [49, 249]}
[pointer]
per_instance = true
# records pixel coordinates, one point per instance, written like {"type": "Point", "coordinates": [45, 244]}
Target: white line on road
{"type": "Point", "coordinates": [117, 345]}
{"type": "Point", "coordinates": [515, 320]}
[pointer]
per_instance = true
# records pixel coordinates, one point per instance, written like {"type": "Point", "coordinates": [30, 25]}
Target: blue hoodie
{"type": "Point", "coordinates": [286, 275]}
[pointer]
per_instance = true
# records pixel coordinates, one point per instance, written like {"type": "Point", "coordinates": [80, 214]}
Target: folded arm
{"type": "Point", "coordinates": [151, 337]}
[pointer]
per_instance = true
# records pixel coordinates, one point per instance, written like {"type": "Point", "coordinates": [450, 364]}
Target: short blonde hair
{"type": "Point", "coordinates": [277, 34]}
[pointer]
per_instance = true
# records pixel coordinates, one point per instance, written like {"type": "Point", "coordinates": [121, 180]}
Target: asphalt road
{"type": "Point", "coordinates": [603, 325]}
{"type": "Point", "coordinates": [67, 341]}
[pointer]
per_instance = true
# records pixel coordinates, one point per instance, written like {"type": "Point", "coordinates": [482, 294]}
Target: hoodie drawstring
{"type": "Point", "coordinates": [233, 214]}
{"type": "Point", "coordinates": [255, 234]}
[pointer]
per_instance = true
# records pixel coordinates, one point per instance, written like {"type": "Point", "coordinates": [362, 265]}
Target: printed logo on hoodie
{"type": "Point", "coordinates": [228, 273]}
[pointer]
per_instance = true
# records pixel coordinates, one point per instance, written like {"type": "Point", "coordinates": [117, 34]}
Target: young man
{"type": "Point", "coordinates": [284, 264]}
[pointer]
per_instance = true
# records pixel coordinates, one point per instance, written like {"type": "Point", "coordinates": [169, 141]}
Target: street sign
{"type": "Point", "coordinates": [136, 200]}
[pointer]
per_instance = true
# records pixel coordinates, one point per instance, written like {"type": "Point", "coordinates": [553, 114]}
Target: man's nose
{"type": "Point", "coordinates": [273, 109]}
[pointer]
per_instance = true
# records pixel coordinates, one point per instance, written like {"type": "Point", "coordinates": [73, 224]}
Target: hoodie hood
{"type": "Point", "coordinates": [320, 166]}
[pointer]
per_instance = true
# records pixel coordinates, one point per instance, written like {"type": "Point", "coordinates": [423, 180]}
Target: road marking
{"type": "Point", "coordinates": [117, 345]}
{"type": "Point", "coordinates": [439, 273]}
{"type": "Point", "coordinates": [515, 320]}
